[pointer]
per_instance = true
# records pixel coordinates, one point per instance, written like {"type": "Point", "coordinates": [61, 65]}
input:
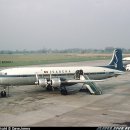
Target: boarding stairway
{"type": "Point", "coordinates": [90, 86]}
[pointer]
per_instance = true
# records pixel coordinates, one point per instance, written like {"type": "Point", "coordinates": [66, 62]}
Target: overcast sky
{"type": "Point", "coordinates": [62, 24]}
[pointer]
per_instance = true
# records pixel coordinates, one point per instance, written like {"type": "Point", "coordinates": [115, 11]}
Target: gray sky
{"type": "Point", "coordinates": [62, 24]}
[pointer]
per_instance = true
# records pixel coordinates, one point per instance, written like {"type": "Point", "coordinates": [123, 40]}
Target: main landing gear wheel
{"type": "Point", "coordinates": [49, 88]}
{"type": "Point", "coordinates": [3, 94]}
{"type": "Point", "coordinates": [63, 91]}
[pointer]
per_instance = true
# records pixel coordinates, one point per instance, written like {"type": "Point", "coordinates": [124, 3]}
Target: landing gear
{"type": "Point", "coordinates": [63, 90]}
{"type": "Point", "coordinates": [3, 93]}
{"type": "Point", "coordinates": [49, 88]}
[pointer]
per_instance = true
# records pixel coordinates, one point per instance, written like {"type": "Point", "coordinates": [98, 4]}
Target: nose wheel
{"type": "Point", "coordinates": [3, 93]}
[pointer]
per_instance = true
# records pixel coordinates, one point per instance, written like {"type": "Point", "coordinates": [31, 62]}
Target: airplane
{"type": "Point", "coordinates": [61, 77]}
{"type": "Point", "coordinates": [127, 67]}
{"type": "Point", "coordinates": [126, 62]}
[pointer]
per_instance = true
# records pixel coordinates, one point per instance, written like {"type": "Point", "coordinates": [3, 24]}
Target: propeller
{"type": "Point", "coordinates": [37, 79]}
{"type": "Point", "coordinates": [50, 81]}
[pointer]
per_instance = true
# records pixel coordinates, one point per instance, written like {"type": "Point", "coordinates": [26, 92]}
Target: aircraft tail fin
{"type": "Point", "coordinates": [116, 61]}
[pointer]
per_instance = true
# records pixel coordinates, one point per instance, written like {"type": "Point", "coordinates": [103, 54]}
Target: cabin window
{"type": "Point", "coordinates": [45, 71]}
{"type": "Point", "coordinates": [111, 72]}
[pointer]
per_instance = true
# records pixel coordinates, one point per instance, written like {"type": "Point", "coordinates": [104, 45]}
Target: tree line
{"type": "Point", "coordinates": [72, 50]}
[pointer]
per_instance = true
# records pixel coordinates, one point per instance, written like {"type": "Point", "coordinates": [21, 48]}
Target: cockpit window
{"type": "Point", "coordinates": [1, 73]}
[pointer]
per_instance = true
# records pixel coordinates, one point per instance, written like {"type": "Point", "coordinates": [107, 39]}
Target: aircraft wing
{"type": "Point", "coordinates": [80, 78]}
{"type": "Point", "coordinates": [83, 81]}
{"type": "Point", "coordinates": [87, 84]}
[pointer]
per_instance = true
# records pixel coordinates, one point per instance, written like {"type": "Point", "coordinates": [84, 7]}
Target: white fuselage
{"type": "Point", "coordinates": [27, 75]}
{"type": "Point", "coordinates": [126, 60]}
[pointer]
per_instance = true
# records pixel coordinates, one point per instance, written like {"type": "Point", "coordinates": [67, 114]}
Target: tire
{"type": "Point", "coordinates": [49, 88]}
{"type": "Point", "coordinates": [63, 91]}
{"type": "Point", "coordinates": [3, 94]}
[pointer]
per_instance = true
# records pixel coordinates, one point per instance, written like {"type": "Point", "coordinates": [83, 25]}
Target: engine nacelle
{"type": "Point", "coordinates": [42, 82]}
{"type": "Point", "coordinates": [56, 82]}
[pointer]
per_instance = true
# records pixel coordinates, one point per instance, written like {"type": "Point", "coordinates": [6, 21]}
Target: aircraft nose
{"type": "Point", "coordinates": [1, 72]}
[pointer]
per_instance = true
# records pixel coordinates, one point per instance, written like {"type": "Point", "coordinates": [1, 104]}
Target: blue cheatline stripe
{"type": "Point", "coordinates": [6, 76]}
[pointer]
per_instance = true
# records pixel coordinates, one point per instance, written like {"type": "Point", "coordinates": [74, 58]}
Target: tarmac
{"type": "Point", "coordinates": [34, 106]}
